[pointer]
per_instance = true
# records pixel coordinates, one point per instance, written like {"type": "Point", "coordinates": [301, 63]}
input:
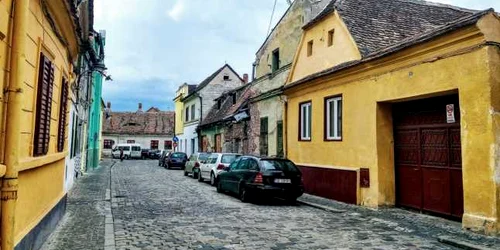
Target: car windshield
{"type": "Point", "coordinates": [178, 155]}
{"type": "Point", "coordinates": [282, 165]}
{"type": "Point", "coordinates": [228, 159]}
{"type": "Point", "coordinates": [203, 157]}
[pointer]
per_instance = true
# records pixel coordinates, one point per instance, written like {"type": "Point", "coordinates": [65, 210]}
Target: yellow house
{"type": "Point", "coordinates": [397, 103]}
{"type": "Point", "coordinates": [39, 42]}
{"type": "Point", "coordinates": [182, 92]}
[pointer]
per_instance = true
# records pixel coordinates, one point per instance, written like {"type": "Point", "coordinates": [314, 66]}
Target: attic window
{"type": "Point", "coordinates": [226, 78]}
{"type": "Point", "coordinates": [234, 98]}
{"type": "Point", "coordinates": [219, 102]}
{"type": "Point", "coordinates": [310, 48]}
{"type": "Point", "coordinates": [330, 37]}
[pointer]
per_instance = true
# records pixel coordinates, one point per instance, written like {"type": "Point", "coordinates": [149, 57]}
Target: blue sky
{"type": "Point", "coordinates": [153, 46]}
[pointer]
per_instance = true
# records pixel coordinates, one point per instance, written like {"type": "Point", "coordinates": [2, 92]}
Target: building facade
{"type": "Point", "coordinates": [254, 124]}
{"type": "Point", "coordinates": [152, 129]}
{"type": "Point", "coordinates": [40, 42]}
{"type": "Point", "coordinates": [399, 112]}
{"type": "Point", "coordinates": [197, 104]}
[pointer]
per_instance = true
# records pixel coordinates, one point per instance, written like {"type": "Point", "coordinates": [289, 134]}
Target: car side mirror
{"type": "Point", "coordinates": [227, 169]}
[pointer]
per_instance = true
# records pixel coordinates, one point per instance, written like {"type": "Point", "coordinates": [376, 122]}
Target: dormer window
{"type": "Point", "coordinates": [226, 77]}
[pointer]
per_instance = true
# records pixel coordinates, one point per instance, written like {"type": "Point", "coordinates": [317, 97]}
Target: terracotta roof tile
{"type": "Point", "coordinates": [147, 123]}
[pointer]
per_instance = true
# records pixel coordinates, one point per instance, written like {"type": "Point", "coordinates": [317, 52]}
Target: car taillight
{"type": "Point", "coordinates": [196, 165]}
{"type": "Point", "coordinates": [258, 178]}
{"type": "Point", "coordinates": [220, 166]}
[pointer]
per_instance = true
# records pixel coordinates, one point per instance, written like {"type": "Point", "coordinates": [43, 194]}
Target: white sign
{"type": "Point", "coordinates": [240, 116]}
{"type": "Point", "coordinates": [450, 113]}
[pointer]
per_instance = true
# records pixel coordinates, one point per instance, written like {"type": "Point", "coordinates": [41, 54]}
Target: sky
{"type": "Point", "coordinates": [153, 46]}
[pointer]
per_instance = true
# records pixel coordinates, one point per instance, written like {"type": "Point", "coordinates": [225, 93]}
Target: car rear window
{"type": "Point", "coordinates": [228, 159]}
{"type": "Point", "coordinates": [178, 155]}
{"type": "Point", "coordinates": [135, 148]}
{"type": "Point", "coordinates": [203, 157]}
{"type": "Point", "coordinates": [282, 165]}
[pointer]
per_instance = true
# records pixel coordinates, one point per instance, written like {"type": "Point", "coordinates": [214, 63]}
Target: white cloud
{"type": "Point", "coordinates": [177, 10]}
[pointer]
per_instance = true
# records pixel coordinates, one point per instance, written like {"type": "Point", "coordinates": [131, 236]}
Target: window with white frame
{"type": "Point", "coordinates": [333, 106]}
{"type": "Point", "coordinates": [305, 122]}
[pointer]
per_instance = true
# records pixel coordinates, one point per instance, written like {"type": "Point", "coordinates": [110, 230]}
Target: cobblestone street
{"type": "Point", "coordinates": [155, 208]}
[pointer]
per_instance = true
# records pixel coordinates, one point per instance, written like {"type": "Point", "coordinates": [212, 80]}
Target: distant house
{"type": "Point", "coordinates": [153, 129]}
{"type": "Point", "coordinates": [197, 103]}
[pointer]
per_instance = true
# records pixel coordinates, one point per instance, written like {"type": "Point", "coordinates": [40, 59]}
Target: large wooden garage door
{"type": "Point", "coordinates": [428, 156]}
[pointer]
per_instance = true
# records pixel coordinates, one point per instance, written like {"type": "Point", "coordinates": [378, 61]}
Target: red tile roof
{"type": "Point", "coordinates": [152, 122]}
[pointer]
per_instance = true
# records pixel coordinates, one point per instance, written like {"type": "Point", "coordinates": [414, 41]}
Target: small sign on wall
{"type": "Point", "coordinates": [450, 113]}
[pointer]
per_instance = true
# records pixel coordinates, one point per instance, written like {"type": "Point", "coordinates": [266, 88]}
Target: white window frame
{"type": "Point", "coordinates": [336, 122]}
{"type": "Point", "coordinates": [305, 135]}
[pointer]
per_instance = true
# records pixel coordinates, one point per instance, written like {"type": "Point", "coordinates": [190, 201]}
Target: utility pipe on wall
{"type": "Point", "coordinates": [13, 124]}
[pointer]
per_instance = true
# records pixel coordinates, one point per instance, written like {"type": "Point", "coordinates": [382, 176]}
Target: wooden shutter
{"type": "Point", "coordinates": [43, 106]}
{"type": "Point", "coordinates": [62, 116]}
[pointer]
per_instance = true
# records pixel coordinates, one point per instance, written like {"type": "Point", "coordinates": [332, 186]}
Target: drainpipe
{"type": "Point", "coordinates": [13, 123]}
{"type": "Point", "coordinates": [199, 123]}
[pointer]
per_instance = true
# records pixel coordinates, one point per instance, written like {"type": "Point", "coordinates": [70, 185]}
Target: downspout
{"type": "Point", "coordinates": [13, 124]}
{"type": "Point", "coordinates": [285, 130]}
{"type": "Point", "coordinates": [199, 123]}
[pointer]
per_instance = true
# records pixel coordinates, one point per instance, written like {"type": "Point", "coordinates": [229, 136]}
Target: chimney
{"type": "Point", "coordinates": [140, 107]}
{"type": "Point", "coordinates": [245, 78]}
{"type": "Point", "coordinates": [109, 105]}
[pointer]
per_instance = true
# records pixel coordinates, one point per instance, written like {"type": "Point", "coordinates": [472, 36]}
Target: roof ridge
{"type": "Point", "coordinates": [441, 5]}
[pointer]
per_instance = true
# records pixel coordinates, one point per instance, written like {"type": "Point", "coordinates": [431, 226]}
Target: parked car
{"type": "Point", "coordinates": [163, 155]}
{"type": "Point", "coordinates": [129, 151]}
{"type": "Point", "coordinates": [251, 177]}
{"type": "Point", "coordinates": [144, 153]}
{"type": "Point", "coordinates": [193, 165]}
{"type": "Point", "coordinates": [215, 164]}
{"type": "Point", "coordinates": [154, 154]}
{"type": "Point", "coordinates": [136, 151]}
{"type": "Point", "coordinates": [176, 160]}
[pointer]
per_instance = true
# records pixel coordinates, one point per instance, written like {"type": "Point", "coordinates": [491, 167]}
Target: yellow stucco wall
{"type": "Point", "coordinates": [323, 56]}
{"type": "Point", "coordinates": [179, 109]}
{"type": "Point", "coordinates": [40, 179]}
{"type": "Point", "coordinates": [368, 91]}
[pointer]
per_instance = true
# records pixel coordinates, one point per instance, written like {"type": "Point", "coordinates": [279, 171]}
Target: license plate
{"type": "Point", "coordinates": [282, 181]}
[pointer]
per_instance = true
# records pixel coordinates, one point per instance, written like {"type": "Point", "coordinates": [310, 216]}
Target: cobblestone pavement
{"type": "Point", "coordinates": [157, 208]}
{"type": "Point", "coordinates": [82, 227]}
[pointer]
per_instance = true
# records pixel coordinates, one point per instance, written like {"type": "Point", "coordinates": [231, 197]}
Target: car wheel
{"type": "Point", "coordinates": [185, 173]}
{"type": "Point", "coordinates": [243, 194]}
{"type": "Point", "coordinates": [194, 175]}
{"type": "Point", "coordinates": [200, 179]}
{"type": "Point", "coordinates": [219, 187]}
{"type": "Point", "coordinates": [291, 200]}
{"type": "Point", "coordinates": [212, 179]}
{"type": "Point", "coordinates": [167, 166]}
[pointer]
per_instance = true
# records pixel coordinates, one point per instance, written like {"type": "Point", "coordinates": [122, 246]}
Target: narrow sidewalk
{"type": "Point", "coordinates": [445, 231]}
{"type": "Point", "coordinates": [88, 213]}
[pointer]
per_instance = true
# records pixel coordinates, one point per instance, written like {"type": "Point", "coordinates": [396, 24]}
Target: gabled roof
{"type": "Point", "coordinates": [411, 41]}
{"type": "Point", "coordinates": [151, 122]}
{"type": "Point", "coordinates": [378, 24]}
{"type": "Point", "coordinates": [209, 79]}
{"type": "Point", "coordinates": [227, 108]}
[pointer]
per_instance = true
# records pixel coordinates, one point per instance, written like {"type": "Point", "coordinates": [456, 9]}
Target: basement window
{"type": "Point", "coordinates": [310, 48]}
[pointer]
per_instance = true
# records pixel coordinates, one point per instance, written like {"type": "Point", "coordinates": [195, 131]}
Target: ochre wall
{"type": "Point", "coordinates": [40, 178]}
{"type": "Point", "coordinates": [179, 110]}
{"type": "Point", "coordinates": [323, 56]}
{"type": "Point", "coordinates": [367, 92]}
{"type": "Point", "coordinates": [5, 22]}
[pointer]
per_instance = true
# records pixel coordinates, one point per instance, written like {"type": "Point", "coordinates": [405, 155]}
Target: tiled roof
{"type": "Point", "coordinates": [152, 122]}
{"type": "Point", "coordinates": [406, 43]}
{"type": "Point", "coordinates": [227, 108]}
{"type": "Point", "coordinates": [378, 24]}
{"type": "Point", "coordinates": [209, 79]}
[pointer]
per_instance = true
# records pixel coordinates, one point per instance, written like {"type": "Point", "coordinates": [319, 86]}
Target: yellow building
{"type": "Point", "coordinates": [397, 103]}
{"type": "Point", "coordinates": [38, 46]}
{"type": "Point", "coordinates": [183, 90]}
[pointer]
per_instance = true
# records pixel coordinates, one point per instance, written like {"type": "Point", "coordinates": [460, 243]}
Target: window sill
{"type": "Point", "coordinates": [35, 162]}
{"type": "Point", "coordinates": [305, 140]}
{"type": "Point", "coordinates": [332, 139]}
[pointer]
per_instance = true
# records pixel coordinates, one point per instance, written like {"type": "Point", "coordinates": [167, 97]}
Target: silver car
{"type": "Point", "coordinates": [194, 162]}
{"type": "Point", "coordinates": [215, 164]}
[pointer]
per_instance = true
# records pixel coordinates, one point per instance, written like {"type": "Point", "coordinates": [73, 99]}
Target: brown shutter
{"type": "Point", "coordinates": [43, 106]}
{"type": "Point", "coordinates": [62, 116]}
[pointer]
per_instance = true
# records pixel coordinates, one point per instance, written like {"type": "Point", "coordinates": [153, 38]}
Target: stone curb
{"type": "Point", "coordinates": [460, 244]}
{"type": "Point", "coordinates": [322, 207]}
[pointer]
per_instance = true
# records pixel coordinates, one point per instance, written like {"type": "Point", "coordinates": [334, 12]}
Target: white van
{"type": "Point", "coordinates": [129, 151]}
